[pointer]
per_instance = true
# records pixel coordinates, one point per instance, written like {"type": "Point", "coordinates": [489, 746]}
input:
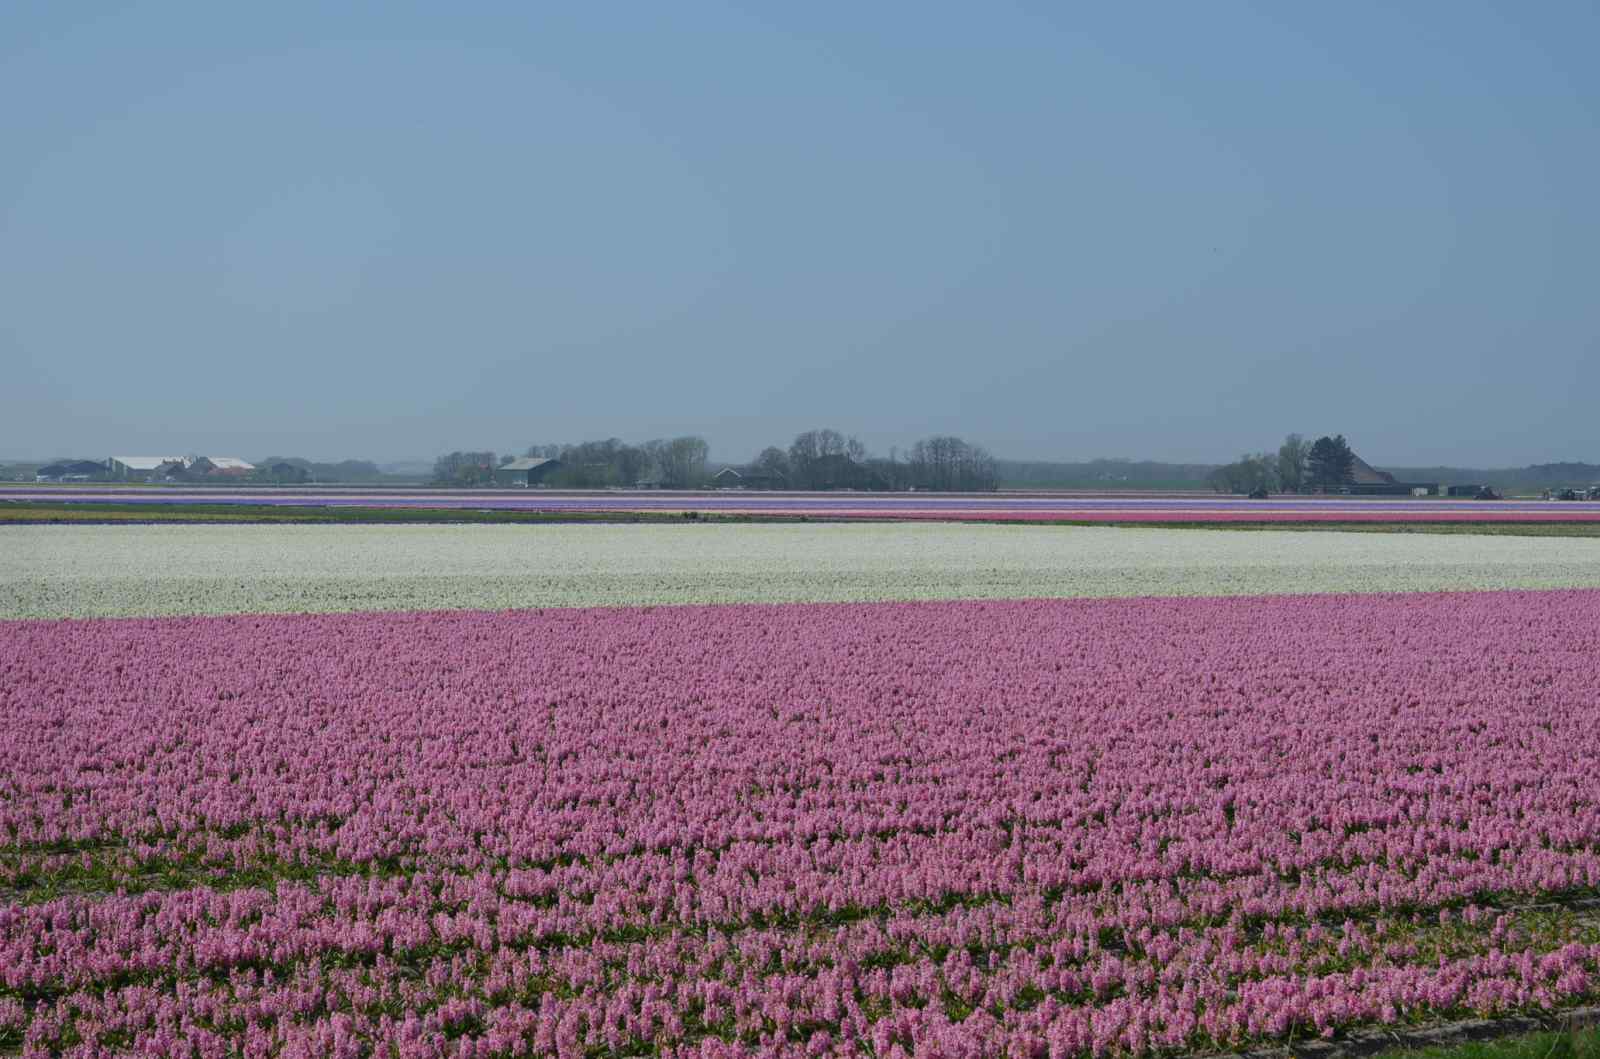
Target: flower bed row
{"type": "Point", "coordinates": [1024, 828]}
{"type": "Point", "coordinates": [127, 571]}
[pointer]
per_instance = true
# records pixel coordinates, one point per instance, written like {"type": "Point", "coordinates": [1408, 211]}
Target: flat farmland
{"type": "Point", "coordinates": [1002, 507]}
{"type": "Point", "coordinates": [884, 790]}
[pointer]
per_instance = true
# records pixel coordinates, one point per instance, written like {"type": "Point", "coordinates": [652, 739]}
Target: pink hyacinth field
{"type": "Point", "coordinates": [1018, 828]}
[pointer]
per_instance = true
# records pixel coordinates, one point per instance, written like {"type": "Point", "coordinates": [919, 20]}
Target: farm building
{"type": "Point", "coordinates": [195, 468]}
{"type": "Point", "coordinates": [156, 468]}
{"type": "Point", "coordinates": [1367, 480]}
{"type": "Point", "coordinates": [142, 468]}
{"type": "Point", "coordinates": [528, 470]}
{"type": "Point", "coordinates": [71, 471]}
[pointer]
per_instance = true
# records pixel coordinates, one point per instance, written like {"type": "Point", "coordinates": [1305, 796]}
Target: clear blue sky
{"type": "Point", "coordinates": [1157, 230]}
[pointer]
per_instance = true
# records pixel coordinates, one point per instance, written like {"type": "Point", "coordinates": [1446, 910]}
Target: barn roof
{"type": "Point", "coordinates": [525, 463]}
{"type": "Point", "coordinates": [1363, 473]}
{"type": "Point", "coordinates": [151, 463]}
{"type": "Point", "coordinates": [146, 463]}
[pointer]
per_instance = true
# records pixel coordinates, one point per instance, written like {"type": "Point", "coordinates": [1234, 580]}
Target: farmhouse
{"type": "Point", "coordinates": [1367, 480]}
{"type": "Point", "coordinates": [528, 470]}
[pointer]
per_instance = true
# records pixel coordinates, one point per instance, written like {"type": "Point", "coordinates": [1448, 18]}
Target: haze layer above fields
{"type": "Point", "coordinates": [400, 230]}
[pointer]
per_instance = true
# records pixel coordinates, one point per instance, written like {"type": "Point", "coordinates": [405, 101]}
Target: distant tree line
{"type": "Point", "coordinates": [464, 468]}
{"type": "Point", "coordinates": [815, 459]}
{"type": "Point", "coordinates": [949, 464]}
{"type": "Point", "coordinates": [1322, 466]}
{"type": "Point", "coordinates": [1277, 471]}
{"type": "Point", "coordinates": [827, 459]}
{"type": "Point", "coordinates": [671, 463]}
{"type": "Point", "coordinates": [676, 463]}
{"type": "Point", "coordinates": [1105, 473]}
{"type": "Point", "coordinates": [295, 470]}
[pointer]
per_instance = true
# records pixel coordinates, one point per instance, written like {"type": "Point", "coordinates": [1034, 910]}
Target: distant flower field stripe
{"type": "Point", "coordinates": [1544, 514]}
{"type": "Point", "coordinates": [1052, 827]}
{"type": "Point", "coordinates": [110, 571]}
{"type": "Point", "coordinates": [1107, 507]}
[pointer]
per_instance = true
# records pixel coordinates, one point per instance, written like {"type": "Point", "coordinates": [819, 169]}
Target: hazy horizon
{"type": "Point", "coordinates": [1174, 233]}
{"type": "Point", "coordinates": [719, 459]}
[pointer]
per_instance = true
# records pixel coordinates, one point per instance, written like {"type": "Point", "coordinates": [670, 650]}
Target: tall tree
{"type": "Point", "coordinates": [1330, 463]}
{"type": "Point", "coordinates": [1292, 464]}
{"type": "Point", "coordinates": [684, 462]}
{"type": "Point", "coordinates": [772, 461]}
{"type": "Point", "coordinates": [804, 452]}
{"type": "Point", "coordinates": [811, 452]}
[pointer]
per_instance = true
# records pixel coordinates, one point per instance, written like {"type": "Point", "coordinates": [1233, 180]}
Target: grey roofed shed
{"type": "Point", "coordinates": [526, 470]}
